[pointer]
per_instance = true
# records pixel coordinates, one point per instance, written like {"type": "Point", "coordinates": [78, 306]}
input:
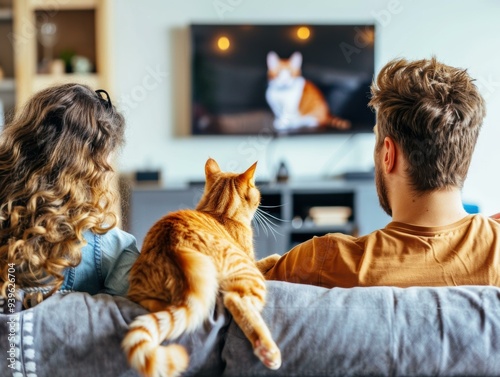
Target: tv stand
{"type": "Point", "coordinates": [291, 202]}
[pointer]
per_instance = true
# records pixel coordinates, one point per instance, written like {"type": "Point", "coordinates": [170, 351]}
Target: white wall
{"type": "Point", "coordinates": [151, 67]}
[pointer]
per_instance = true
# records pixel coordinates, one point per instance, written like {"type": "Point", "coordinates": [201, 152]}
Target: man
{"type": "Point", "coordinates": [428, 120]}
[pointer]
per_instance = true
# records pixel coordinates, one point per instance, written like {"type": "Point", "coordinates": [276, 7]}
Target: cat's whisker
{"type": "Point", "coordinates": [265, 219]}
{"type": "Point", "coordinates": [276, 206]}
{"type": "Point", "coordinates": [260, 224]}
{"type": "Point", "coordinates": [264, 226]}
{"type": "Point", "coordinates": [269, 217]}
{"type": "Point", "coordinates": [267, 214]}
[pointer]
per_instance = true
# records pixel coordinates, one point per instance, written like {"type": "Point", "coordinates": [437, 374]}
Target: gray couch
{"type": "Point", "coordinates": [451, 331]}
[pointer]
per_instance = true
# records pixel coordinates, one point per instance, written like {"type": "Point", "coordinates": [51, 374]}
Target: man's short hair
{"type": "Point", "coordinates": [434, 113]}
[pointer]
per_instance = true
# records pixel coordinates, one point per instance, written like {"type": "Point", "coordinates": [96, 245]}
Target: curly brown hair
{"type": "Point", "coordinates": [434, 113]}
{"type": "Point", "coordinates": [56, 182]}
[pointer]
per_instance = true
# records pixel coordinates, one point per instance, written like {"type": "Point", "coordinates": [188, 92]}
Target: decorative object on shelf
{"type": "Point", "coordinates": [47, 35]}
{"type": "Point", "coordinates": [57, 67]}
{"type": "Point", "coordinates": [282, 175]}
{"type": "Point", "coordinates": [67, 56]}
{"type": "Point", "coordinates": [297, 222]}
{"type": "Point", "coordinates": [81, 64]}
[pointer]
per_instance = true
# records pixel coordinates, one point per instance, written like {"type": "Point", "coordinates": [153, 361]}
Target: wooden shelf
{"type": "Point", "coordinates": [7, 82]}
{"type": "Point", "coordinates": [85, 23]}
{"type": "Point", "coordinates": [41, 81]}
{"type": "Point", "coordinates": [7, 85]}
{"type": "Point", "coordinates": [55, 5]}
{"type": "Point", "coordinates": [6, 14]}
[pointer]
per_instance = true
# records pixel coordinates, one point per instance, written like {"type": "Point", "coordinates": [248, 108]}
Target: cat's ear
{"type": "Point", "coordinates": [272, 60]}
{"type": "Point", "coordinates": [249, 174]}
{"type": "Point", "coordinates": [296, 60]}
{"type": "Point", "coordinates": [211, 168]}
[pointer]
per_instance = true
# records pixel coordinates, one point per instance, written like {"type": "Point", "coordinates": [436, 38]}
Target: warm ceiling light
{"type": "Point", "coordinates": [223, 43]}
{"type": "Point", "coordinates": [303, 32]}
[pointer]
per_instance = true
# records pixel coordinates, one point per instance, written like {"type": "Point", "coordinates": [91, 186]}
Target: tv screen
{"type": "Point", "coordinates": [281, 79]}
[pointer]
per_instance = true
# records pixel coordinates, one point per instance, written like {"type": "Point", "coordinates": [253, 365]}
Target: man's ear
{"type": "Point", "coordinates": [390, 154]}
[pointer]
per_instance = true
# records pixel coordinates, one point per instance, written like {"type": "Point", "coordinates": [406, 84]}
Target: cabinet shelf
{"type": "Point", "coordinates": [286, 202]}
{"type": "Point", "coordinates": [348, 228]}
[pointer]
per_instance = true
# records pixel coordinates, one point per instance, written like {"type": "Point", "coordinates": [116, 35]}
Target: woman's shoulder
{"type": "Point", "coordinates": [115, 252]}
{"type": "Point", "coordinates": [112, 243]}
{"type": "Point", "coordinates": [115, 237]}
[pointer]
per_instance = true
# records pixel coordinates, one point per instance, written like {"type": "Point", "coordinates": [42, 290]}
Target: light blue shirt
{"type": "Point", "coordinates": [106, 263]}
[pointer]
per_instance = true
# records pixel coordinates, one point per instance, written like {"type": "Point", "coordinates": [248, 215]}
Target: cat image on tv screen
{"type": "Point", "coordinates": [296, 103]}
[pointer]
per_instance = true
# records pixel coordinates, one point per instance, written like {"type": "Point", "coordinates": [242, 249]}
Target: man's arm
{"type": "Point", "coordinates": [302, 264]}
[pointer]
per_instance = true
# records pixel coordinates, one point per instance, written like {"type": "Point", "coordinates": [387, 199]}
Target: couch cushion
{"type": "Point", "coordinates": [321, 332]}
{"type": "Point", "coordinates": [79, 335]}
{"type": "Point", "coordinates": [375, 331]}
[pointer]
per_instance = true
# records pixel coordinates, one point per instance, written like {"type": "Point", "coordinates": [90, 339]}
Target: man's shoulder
{"type": "Point", "coordinates": [349, 239]}
{"type": "Point", "coordinates": [486, 221]}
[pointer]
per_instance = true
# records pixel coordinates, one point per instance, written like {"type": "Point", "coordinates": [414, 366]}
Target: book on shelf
{"type": "Point", "coordinates": [330, 215]}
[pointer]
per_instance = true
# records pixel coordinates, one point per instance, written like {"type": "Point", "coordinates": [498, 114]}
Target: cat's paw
{"type": "Point", "coordinates": [309, 121]}
{"type": "Point", "coordinates": [269, 354]}
{"type": "Point", "coordinates": [281, 124]}
{"type": "Point", "coordinates": [265, 264]}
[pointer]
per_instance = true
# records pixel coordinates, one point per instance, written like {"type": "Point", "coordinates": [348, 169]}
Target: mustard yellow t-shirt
{"type": "Point", "coordinates": [464, 253]}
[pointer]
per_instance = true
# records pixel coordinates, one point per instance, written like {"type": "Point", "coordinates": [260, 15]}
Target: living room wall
{"type": "Point", "coordinates": [151, 82]}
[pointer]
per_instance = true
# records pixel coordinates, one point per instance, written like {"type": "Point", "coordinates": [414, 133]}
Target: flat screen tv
{"type": "Point", "coordinates": [281, 79]}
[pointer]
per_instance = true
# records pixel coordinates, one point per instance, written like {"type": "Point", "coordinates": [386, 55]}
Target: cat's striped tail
{"type": "Point", "coordinates": [142, 342]}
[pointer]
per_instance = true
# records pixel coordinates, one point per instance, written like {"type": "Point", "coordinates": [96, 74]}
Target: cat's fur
{"type": "Point", "coordinates": [295, 101]}
{"type": "Point", "coordinates": [187, 258]}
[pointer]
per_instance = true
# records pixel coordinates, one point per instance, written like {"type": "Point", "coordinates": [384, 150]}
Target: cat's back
{"type": "Point", "coordinates": [183, 226]}
{"type": "Point", "coordinates": [313, 102]}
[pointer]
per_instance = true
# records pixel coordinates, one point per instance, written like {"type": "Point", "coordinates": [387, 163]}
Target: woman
{"type": "Point", "coordinates": [57, 197]}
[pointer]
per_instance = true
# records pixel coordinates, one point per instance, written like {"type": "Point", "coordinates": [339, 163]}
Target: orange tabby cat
{"type": "Point", "coordinates": [188, 257]}
{"type": "Point", "coordinates": [295, 101]}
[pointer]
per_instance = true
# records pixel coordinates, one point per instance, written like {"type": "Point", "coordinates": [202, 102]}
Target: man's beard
{"type": "Point", "coordinates": [383, 196]}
